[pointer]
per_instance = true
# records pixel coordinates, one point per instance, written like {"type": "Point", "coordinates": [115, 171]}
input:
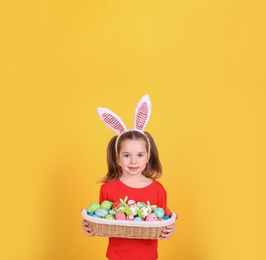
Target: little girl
{"type": "Point", "coordinates": [133, 167]}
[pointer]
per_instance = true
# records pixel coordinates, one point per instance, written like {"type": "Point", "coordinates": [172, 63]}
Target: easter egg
{"type": "Point", "coordinates": [159, 212]}
{"type": "Point", "coordinates": [101, 213]}
{"type": "Point", "coordinates": [167, 212]}
{"type": "Point", "coordinates": [130, 217]}
{"type": "Point", "coordinates": [131, 203]}
{"type": "Point", "coordinates": [109, 216]}
{"type": "Point", "coordinates": [120, 216]}
{"type": "Point", "coordinates": [138, 219]}
{"type": "Point", "coordinates": [115, 205]}
{"type": "Point", "coordinates": [165, 217]}
{"type": "Point", "coordinates": [151, 217]}
{"type": "Point", "coordinates": [111, 211]}
{"type": "Point", "coordinates": [93, 207]}
{"type": "Point", "coordinates": [106, 204]}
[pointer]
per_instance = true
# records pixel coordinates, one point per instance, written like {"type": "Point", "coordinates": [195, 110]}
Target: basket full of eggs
{"type": "Point", "coordinates": [127, 219]}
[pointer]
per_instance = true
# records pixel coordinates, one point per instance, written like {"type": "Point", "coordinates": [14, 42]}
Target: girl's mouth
{"type": "Point", "coordinates": [133, 168]}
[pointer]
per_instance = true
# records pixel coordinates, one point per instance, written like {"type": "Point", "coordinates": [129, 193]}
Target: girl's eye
{"type": "Point", "coordinates": [126, 155]}
{"type": "Point", "coordinates": [140, 155]}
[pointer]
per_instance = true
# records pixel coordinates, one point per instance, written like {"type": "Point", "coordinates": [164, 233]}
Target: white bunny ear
{"type": "Point", "coordinates": [112, 120]}
{"type": "Point", "coordinates": [143, 112]}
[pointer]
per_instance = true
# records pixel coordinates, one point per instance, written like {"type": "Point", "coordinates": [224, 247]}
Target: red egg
{"type": "Point", "coordinates": [115, 205]}
{"type": "Point", "coordinates": [167, 212]}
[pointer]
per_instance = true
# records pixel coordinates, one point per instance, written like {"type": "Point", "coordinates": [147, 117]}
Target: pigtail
{"type": "Point", "coordinates": [153, 169]}
{"type": "Point", "coordinates": [114, 170]}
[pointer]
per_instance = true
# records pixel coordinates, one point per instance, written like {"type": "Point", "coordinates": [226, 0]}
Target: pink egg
{"type": "Point", "coordinates": [151, 217]}
{"type": "Point", "coordinates": [130, 217]}
{"type": "Point", "coordinates": [120, 216]}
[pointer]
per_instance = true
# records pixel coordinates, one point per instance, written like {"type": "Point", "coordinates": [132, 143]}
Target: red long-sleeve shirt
{"type": "Point", "coordinates": [133, 249]}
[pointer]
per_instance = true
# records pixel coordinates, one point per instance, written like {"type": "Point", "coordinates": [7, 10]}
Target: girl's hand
{"type": "Point", "coordinates": [168, 232]}
{"type": "Point", "coordinates": [87, 229]}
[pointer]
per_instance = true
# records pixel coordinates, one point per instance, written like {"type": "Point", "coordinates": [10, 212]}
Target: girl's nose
{"type": "Point", "coordinates": [133, 159]}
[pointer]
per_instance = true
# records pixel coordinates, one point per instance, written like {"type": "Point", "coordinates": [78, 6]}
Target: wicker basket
{"type": "Point", "coordinates": [127, 229]}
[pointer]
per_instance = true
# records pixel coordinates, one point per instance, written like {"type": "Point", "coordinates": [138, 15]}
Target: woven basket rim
{"type": "Point", "coordinates": [160, 223]}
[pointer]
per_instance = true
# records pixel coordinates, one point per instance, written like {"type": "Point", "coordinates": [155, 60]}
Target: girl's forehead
{"type": "Point", "coordinates": [133, 144]}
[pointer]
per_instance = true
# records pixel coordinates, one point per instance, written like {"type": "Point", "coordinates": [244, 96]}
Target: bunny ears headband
{"type": "Point", "coordinates": [142, 115]}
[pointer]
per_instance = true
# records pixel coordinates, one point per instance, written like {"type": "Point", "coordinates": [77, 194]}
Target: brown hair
{"type": "Point", "coordinates": [153, 168]}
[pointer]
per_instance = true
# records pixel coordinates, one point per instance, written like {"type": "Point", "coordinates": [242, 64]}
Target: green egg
{"type": "Point", "coordinates": [106, 204]}
{"type": "Point", "coordinates": [109, 216]}
{"type": "Point", "coordinates": [93, 207]}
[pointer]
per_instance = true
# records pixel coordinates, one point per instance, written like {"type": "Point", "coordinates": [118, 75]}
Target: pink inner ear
{"type": "Point", "coordinates": [113, 122]}
{"type": "Point", "coordinates": [141, 116]}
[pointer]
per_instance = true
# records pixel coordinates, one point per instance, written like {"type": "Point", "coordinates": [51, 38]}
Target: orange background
{"type": "Point", "coordinates": [203, 65]}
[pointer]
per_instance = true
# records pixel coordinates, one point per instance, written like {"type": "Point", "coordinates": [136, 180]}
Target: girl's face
{"type": "Point", "coordinates": [133, 156]}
